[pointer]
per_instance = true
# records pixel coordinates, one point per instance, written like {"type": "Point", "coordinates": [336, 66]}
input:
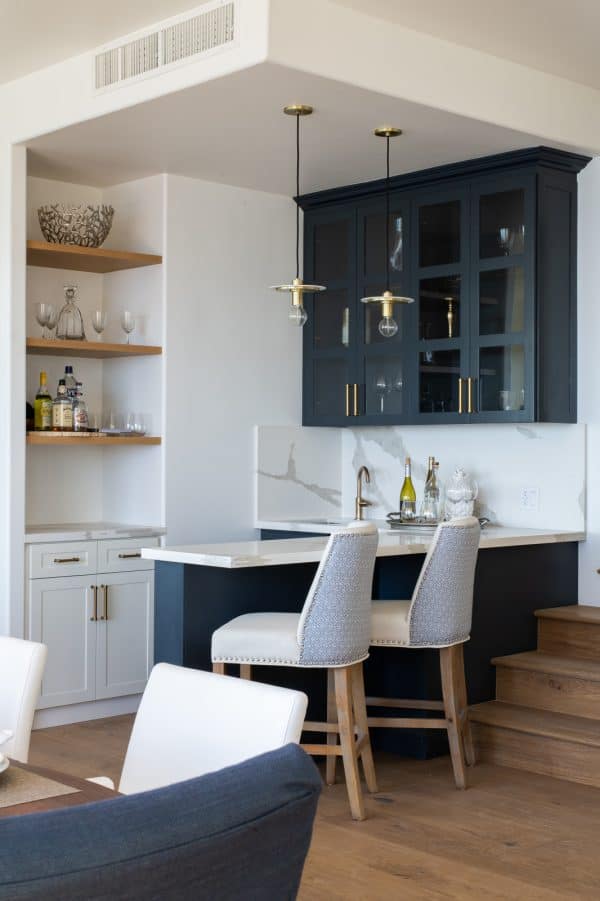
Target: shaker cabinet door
{"type": "Point", "coordinates": [60, 615]}
{"type": "Point", "coordinates": [125, 633]}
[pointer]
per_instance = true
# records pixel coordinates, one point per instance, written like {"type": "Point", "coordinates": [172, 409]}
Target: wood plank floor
{"type": "Point", "coordinates": [512, 835]}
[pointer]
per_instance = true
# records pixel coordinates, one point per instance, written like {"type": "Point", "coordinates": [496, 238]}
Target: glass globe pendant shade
{"type": "Point", "coordinates": [388, 327]}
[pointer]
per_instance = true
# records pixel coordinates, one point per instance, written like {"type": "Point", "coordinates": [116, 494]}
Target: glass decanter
{"type": "Point", "coordinates": [461, 494]}
{"type": "Point", "coordinates": [70, 320]}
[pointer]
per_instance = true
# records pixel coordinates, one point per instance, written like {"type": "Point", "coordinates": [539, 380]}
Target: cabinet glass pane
{"type": "Point", "coordinates": [331, 241]}
{"type": "Point", "coordinates": [502, 378]}
{"type": "Point", "coordinates": [502, 223]}
{"type": "Point", "coordinates": [372, 314]}
{"type": "Point", "coordinates": [439, 233]}
{"type": "Point", "coordinates": [439, 307]}
{"type": "Point", "coordinates": [374, 249]}
{"type": "Point", "coordinates": [330, 387]}
{"type": "Point", "coordinates": [439, 371]}
{"type": "Point", "coordinates": [502, 301]}
{"type": "Point", "coordinates": [331, 315]}
{"type": "Point", "coordinates": [384, 386]}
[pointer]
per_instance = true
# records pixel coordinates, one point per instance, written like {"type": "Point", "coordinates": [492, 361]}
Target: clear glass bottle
{"type": "Point", "coordinates": [430, 509]}
{"type": "Point", "coordinates": [70, 382]}
{"type": "Point", "coordinates": [70, 320]}
{"type": "Point", "coordinates": [62, 410]}
{"type": "Point", "coordinates": [408, 497]}
{"type": "Point", "coordinates": [42, 406]}
{"type": "Point", "coordinates": [80, 413]}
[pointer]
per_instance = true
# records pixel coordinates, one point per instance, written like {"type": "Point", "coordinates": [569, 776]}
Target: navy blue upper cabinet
{"type": "Point", "coordinates": [487, 249]}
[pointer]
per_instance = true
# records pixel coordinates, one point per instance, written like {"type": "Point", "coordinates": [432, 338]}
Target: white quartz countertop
{"type": "Point", "coordinates": [243, 554]}
{"type": "Point", "coordinates": [87, 531]}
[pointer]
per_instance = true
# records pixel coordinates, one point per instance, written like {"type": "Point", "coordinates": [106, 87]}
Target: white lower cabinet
{"type": "Point", "coordinates": [99, 630]}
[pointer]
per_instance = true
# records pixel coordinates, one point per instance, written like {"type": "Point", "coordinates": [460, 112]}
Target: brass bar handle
{"type": "Point", "coordinates": [67, 559]}
{"type": "Point", "coordinates": [104, 590]}
{"type": "Point", "coordinates": [460, 396]}
{"type": "Point", "coordinates": [470, 395]}
{"type": "Point", "coordinates": [130, 556]}
{"type": "Point", "coordinates": [347, 400]}
{"type": "Point", "coordinates": [356, 411]}
{"type": "Point", "coordinates": [94, 618]}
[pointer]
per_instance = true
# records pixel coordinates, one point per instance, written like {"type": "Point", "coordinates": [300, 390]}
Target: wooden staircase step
{"type": "Point", "coordinates": [570, 632]}
{"type": "Point", "coordinates": [561, 684]}
{"type": "Point", "coordinates": [552, 744]}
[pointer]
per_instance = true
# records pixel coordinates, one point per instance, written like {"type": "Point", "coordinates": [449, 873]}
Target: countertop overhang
{"type": "Point", "coordinates": [247, 554]}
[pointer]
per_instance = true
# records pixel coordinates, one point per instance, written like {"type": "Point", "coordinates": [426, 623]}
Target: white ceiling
{"type": "Point", "coordinates": [232, 130]}
{"type": "Point", "coordinates": [552, 35]}
{"type": "Point", "coordinates": [36, 34]}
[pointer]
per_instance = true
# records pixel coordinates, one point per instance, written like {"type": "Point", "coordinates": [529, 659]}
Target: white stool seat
{"type": "Point", "coordinates": [267, 638]}
{"type": "Point", "coordinates": [390, 623]}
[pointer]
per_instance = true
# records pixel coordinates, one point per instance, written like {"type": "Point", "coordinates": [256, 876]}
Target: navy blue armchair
{"type": "Point", "coordinates": [240, 833]}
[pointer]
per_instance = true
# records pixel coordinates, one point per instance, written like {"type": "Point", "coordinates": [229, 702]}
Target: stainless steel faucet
{"type": "Point", "coordinates": [360, 502]}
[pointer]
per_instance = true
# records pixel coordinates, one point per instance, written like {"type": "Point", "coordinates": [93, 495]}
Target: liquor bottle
{"type": "Point", "coordinates": [430, 462]}
{"type": "Point", "coordinates": [80, 413]}
{"type": "Point", "coordinates": [62, 410]}
{"type": "Point", "coordinates": [42, 406]}
{"type": "Point", "coordinates": [408, 497]}
{"type": "Point", "coordinates": [430, 509]}
{"type": "Point", "coordinates": [70, 382]}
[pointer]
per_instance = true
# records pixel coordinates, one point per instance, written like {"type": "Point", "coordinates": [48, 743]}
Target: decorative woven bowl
{"type": "Point", "coordinates": [84, 225]}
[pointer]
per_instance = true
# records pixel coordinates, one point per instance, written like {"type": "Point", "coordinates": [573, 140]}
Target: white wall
{"type": "Point", "coordinates": [588, 301]}
{"type": "Point", "coordinates": [232, 358]}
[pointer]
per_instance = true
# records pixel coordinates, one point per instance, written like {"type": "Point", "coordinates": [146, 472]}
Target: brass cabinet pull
{"type": "Point", "coordinates": [460, 396]}
{"type": "Point", "coordinates": [356, 412]}
{"type": "Point", "coordinates": [67, 559]}
{"type": "Point", "coordinates": [94, 618]}
{"type": "Point", "coordinates": [347, 400]}
{"type": "Point", "coordinates": [470, 395]}
{"type": "Point", "coordinates": [103, 589]}
{"type": "Point", "coordinates": [130, 556]}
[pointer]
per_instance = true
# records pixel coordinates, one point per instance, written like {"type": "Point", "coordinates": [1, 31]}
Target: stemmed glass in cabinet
{"type": "Point", "coordinates": [127, 323]}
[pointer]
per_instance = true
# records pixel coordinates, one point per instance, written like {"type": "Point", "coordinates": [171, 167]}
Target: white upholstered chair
{"type": "Point", "coordinates": [191, 722]}
{"type": "Point", "coordinates": [21, 669]}
{"type": "Point", "coordinates": [332, 632]}
{"type": "Point", "coordinates": [437, 616]}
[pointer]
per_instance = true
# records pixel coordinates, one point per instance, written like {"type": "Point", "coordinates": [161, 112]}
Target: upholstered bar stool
{"type": "Point", "coordinates": [438, 616]}
{"type": "Point", "coordinates": [332, 632]}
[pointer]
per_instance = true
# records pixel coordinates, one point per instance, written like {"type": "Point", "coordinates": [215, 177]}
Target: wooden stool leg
{"type": "Point", "coordinates": [463, 708]}
{"type": "Point", "coordinates": [246, 671]}
{"type": "Point", "coordinates": [449, 666]}
{"type": "Point", "coordinates": [219, 668]}
{"type": "Point", "coordinates": [332, 739]}
{"type": "Point", "coordinates": [343, 695]}
{"type": "Point", "coordinates": [360, 715]}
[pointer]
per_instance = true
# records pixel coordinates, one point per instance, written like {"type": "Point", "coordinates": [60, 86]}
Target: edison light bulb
{"type": "Point", "coordinates": [298, 315]}
{"type": "Point", "coordinates": [388, 327]}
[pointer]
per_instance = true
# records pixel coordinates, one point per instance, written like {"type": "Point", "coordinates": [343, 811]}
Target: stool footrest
{"type": "Point", "coordinates": [408, 704]}
{"type": "Point", "coordinates": [405, 722]}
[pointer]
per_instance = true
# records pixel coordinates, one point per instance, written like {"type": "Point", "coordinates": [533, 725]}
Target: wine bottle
{"type": "Point", "coordinates": [408, 497]}
{"type": "Point", "coordinates": [62, 410]}
{"type": "Point", "coordinates": [42, 406]}
{"type": "Point", "coordinates": [430, 509]}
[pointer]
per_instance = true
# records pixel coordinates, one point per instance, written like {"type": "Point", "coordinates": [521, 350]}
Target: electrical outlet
{"type": "Point", "coordinates": [530, 498]}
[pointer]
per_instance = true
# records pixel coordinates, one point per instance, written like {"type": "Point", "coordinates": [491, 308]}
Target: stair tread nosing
{"type": "Point", "coordinates": [539, 662]}
{"type": "Point", "coordinates": [561, 726]}
{"type": "Point", "coordinates": [576, 613]}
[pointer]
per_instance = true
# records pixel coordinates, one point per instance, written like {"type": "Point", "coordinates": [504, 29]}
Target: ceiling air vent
{"type": "Point", "coordinates": [173, 41]}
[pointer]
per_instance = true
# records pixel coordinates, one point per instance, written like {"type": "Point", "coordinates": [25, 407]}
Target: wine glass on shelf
{"type": "Point", "coordinates": [127, 323]}
{"type": "Point", "coordinates": [99, 320]}
{"type": "Point", "coordinates": [52, 319]}
{"type": "Point", "coordinates": [42, 311]}
{"type": "Point", "coordinates": [381, 389]}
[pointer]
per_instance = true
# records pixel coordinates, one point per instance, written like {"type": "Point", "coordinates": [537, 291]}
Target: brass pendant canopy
{"type": "Point", "coordinates": [298, 288]}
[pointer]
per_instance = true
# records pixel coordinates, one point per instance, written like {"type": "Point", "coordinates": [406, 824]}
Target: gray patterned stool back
{"type": "Point", "coordinates": [442, 602]}
{"type": "Point", "coordinates": [335, 624]}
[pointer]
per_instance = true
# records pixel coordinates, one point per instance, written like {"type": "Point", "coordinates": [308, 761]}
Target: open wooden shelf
{"type": "Point", "coordinates": [99, 350]}
{"type": "Point", "coordinates": [89, 439]}
{"type": "Point", "coordinates": [86, 259]}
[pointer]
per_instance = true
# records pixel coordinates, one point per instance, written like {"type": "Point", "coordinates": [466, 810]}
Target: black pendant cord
{"type": "Point", "coordinates": [297, 195]}
{"type": "Point", "coordinates": [387, 213]}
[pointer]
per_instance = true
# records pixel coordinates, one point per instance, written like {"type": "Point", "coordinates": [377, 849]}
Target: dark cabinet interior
{"type": "Point", "coordinates": [486, 249]}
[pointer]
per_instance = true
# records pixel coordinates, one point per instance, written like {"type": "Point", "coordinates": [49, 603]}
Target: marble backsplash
{"type": "Point", "coordinates": [304, 472]}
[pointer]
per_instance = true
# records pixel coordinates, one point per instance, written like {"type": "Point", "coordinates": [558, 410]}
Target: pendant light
{"type": "Point", "coordinates": [388, 326]}
{"type": "Point", "coordinates": [297, 288]}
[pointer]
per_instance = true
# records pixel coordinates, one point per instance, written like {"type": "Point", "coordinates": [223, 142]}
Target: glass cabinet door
{"type": "Point", "coordinates": [330, 260]}
{"type": "Point", "coordinates": [442, 318]}
{"type": "Point", "coordinates": [382, 368]}
{"type": "Point", "coordinates": [502, 308]}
